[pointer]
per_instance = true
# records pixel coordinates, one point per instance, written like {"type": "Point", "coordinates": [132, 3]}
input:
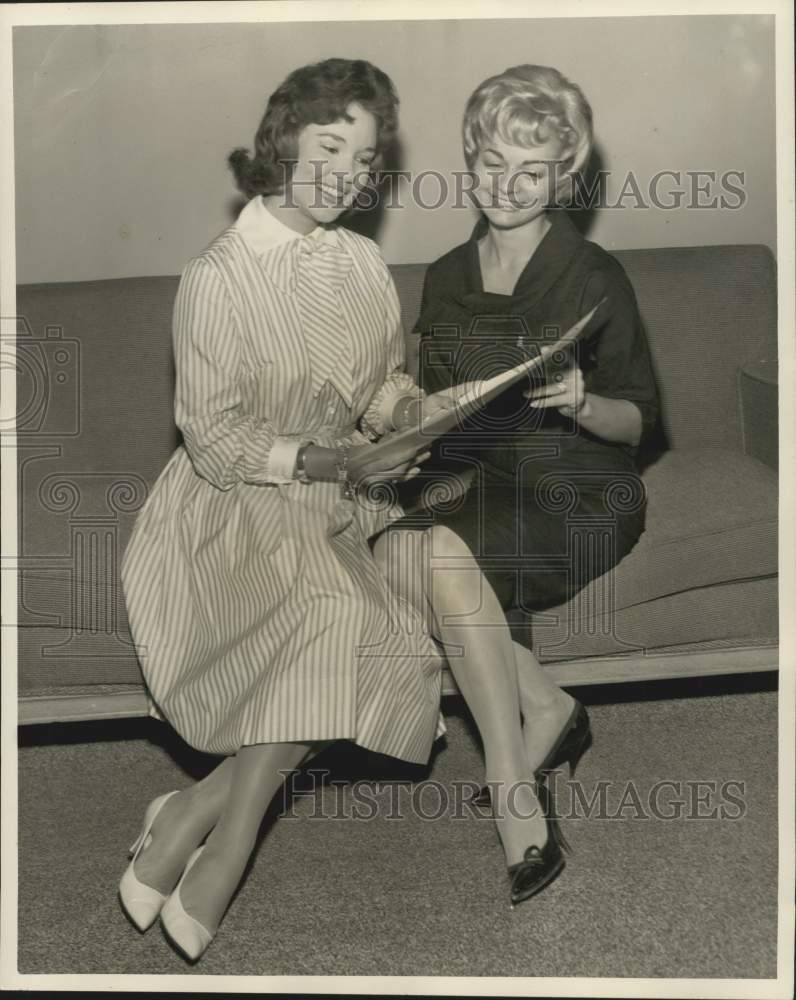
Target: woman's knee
{"type": "Point", "coordinates": [456, 576]}
{"type": "Point", "coordinates": [446, 544]}
{"type": "Point", "coordinates": [399, 552]}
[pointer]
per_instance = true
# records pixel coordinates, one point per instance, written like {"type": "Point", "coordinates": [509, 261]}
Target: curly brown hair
{"type": "Point", "coordinates": [316, 94]}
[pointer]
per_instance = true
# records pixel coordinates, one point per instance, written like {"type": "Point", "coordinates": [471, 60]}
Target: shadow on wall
{"type": "Point", "coordinates": [235, 206]}
{"type": "Point", "coordinates": [368, 221]}
{"type": "Point", "coordinates": [583, 217]}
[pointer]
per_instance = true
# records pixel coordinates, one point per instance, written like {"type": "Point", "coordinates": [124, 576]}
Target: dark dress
{"type": "Point", "coordinates": [551, 506]}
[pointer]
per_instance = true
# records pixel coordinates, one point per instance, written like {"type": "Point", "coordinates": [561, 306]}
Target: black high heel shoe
{"type": "Point", "coordinates": [572, 743]}
{"type": "Point", "coordinates": [540, 865]}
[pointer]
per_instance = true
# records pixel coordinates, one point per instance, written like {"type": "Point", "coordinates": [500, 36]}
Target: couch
{"type": "Point", "coordinates": [697, 595]}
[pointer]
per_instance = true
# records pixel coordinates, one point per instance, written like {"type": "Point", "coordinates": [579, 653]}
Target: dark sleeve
{"type": "Point", "coordinates": [438, 345]}
{"type": "Point", "coordinates": [620, 363]}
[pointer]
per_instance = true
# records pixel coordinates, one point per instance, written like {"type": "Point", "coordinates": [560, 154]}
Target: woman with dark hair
{"type": "Point", "coordinates": [264, 627]}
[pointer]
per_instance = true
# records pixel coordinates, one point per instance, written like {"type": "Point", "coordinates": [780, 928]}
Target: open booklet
{"type": "Point", "coordinates": [467, 402]}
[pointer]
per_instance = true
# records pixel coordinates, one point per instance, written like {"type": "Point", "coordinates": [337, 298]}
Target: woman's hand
{"type": "Point", "coordinates": [438, 401]}
{"type": "Point", "coordinates": [411, 411]}
{"type": "Point", "coordinates": [611, 419]}
{"type": "Point", "coordinates": [567, 394]}
{"type": "Point", "coordinates": [401, 466]}
{"type": "Point", "coordinates": [447, 399]}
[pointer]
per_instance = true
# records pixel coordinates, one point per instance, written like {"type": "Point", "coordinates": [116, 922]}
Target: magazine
{"type": "Point", "coordinates": [467, 401]}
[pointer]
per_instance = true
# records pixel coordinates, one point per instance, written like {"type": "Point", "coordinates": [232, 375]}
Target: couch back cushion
{"type": "Point", "coordinates": [115, 403]}
{"type": "Point", "coordinates": [707, 311]}
{"type": "Point", "coordinates": [96, 427]}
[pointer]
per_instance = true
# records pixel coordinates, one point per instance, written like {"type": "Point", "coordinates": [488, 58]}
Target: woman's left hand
{"type": "Point", "coordinates": [445, 399]}
{"type": "Point", "coordinates": [567, 393]}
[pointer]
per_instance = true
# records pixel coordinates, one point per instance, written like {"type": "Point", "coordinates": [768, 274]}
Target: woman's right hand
{"type": "Point", "coordinates": [405, 464]}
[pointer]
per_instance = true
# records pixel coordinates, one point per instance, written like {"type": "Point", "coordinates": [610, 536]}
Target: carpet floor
{"type": "Point", "coordinates": [353, 877]}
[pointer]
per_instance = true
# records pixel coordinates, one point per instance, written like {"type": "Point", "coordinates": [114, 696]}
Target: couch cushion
{"type": "Point", "coordinates": [114, 411]}
{"type": "Point", "coordinates": [704, 569]}
{"type": "Point", "coordinates": [711, 518]}
{"type": "Point", "coordinates": [734, 615]}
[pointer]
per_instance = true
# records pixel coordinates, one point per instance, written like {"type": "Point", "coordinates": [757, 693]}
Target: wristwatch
{"type": "Point", "coordinates": [300, 471]}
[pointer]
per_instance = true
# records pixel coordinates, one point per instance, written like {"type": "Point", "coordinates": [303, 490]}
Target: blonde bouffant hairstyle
{"type": "Point", "coordinates": [527, 106]}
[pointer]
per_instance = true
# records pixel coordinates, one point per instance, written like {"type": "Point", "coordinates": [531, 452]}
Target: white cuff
{"type": "Point", "coordinates": [282, 459]}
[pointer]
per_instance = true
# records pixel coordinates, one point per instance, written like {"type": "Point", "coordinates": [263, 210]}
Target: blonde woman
{"type": "Point", "coordinates": [553, 462]}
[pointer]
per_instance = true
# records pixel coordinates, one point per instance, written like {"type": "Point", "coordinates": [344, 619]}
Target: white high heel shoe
{"type": "Point", "coordinates": [141, 902]}
{"type": "Point", "coordinates": [188, 935]}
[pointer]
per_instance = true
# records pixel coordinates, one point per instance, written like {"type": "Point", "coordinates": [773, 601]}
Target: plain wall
{"type": "Point", "coordinates": [122, 132]}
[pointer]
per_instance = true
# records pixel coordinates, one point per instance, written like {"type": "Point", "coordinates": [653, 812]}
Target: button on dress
{"type": "Point", "coordinates": [258, 612]}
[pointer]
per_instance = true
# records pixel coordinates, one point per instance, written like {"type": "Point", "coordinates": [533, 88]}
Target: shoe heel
{"type": "Point", "coordinates": [578, 751]}
{"type": "Point", "coordinates": [553, 825]}
{"type": "Point", "coordinates": [132, 849]}
{"type": "Point", "coordinates": [570, 745]}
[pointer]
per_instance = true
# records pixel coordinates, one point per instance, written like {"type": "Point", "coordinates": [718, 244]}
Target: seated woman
{"type": "Point", "coordinates": [554, 463]}
{"type": "Point", "coordinates": [262, 621]}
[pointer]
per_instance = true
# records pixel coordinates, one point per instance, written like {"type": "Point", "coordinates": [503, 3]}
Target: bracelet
{"type": "Point", "coordinates": [573, 411]}
{"type": "Point", "coordinates": [402, 421]}
{"type": "Point", "coordinates": [346, 489]}
{"type": "Point", "coordinates": [300, 471]}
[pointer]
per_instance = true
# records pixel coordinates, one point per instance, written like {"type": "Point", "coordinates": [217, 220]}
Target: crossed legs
{"type": "Point", "coordinates": [517, 708]}
{"type": "Point", "coordinates": [255, 779]}
{"type": "Point", "coordinates": [545, 707]}
{"type": "Point", "coordinates": [229, 805]}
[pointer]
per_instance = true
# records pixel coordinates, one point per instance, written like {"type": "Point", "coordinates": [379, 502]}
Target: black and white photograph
{"type": "Point", "coordinates": [398, 566]}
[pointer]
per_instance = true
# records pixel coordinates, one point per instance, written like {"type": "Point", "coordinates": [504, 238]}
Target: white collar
{"type": "Point", "coordinates": [263, 231]}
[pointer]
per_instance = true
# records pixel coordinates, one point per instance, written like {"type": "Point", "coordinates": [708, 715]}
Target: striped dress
{"type": "Point", "coordinates": [258, 612]}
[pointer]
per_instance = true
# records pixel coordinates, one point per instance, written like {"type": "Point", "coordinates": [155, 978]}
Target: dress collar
{"type": "Point", "coordinates": [553, 254]}
{"type": "Point", "coordinates": [283, 252]}
{"type": "Point", "coordinates": [264, 232]}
